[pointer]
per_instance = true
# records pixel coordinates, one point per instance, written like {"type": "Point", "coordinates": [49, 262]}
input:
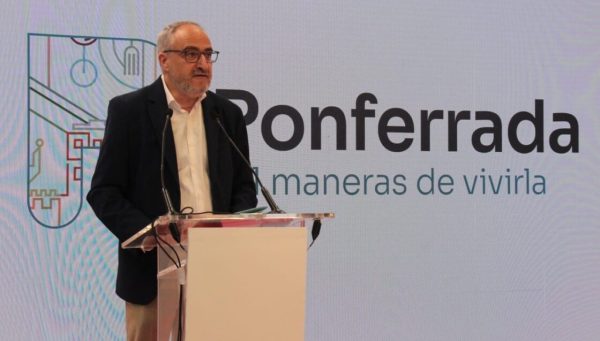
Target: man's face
{"type": "Point", "coordinates": [187, 80]}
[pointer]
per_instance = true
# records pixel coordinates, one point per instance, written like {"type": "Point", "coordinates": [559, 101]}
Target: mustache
{"type": "Point", "coordinates": [199, 72]}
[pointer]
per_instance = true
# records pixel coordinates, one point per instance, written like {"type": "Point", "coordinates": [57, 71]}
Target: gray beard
{"type": "Point", "coordinates": [189, 90]}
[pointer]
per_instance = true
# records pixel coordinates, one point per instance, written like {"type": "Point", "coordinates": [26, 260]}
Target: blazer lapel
{"type": "Point", "coordinates": [157, 110]}
{"type": "Point", "coordinates": [212, 132]}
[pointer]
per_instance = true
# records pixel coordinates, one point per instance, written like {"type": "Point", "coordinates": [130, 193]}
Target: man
{"type": "Point", "coordinates": [202, 171]}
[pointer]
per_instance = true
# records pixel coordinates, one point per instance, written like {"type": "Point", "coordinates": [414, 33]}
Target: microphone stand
{"type": "Point", "coordinates": [272, 205]}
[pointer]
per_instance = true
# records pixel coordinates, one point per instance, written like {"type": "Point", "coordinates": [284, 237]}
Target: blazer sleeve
{"type": "Point", "coordinates": [110, 182]}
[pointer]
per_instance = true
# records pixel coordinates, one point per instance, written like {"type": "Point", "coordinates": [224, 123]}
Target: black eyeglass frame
{"type": "Point", "coordinates": [193, 55]}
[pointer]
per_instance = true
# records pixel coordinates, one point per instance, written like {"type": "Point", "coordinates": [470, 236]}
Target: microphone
{"type": "Point", "coordinates": [272, 205]}
{"type": "Point", "coordinates": [171, 210]}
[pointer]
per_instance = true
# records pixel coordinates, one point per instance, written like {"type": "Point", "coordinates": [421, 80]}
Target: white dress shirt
{"type": "Point", "coordinates": [192, 158]}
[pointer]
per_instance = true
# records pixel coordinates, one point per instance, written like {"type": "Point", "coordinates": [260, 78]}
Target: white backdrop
{"type": "Point", "coordinates": [396, 263]}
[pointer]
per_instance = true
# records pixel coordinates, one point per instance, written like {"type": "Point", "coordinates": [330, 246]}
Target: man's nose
{"type": "Point", "coordinates": [203, 61]}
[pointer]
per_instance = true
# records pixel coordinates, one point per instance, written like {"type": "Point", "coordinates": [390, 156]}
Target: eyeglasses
{"type": "Point", "coordinates": [193, 55]}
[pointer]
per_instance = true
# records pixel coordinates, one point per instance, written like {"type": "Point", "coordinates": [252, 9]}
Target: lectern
{"type": "Point", "coordinates": [232, 277]}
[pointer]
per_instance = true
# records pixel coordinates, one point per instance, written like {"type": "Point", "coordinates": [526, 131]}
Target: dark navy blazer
{"type": "Point", "coordinates": [125, 191]}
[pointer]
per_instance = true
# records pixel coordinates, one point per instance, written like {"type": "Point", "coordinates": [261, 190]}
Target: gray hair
{"type": "Point", "coordinates": [163, 41]}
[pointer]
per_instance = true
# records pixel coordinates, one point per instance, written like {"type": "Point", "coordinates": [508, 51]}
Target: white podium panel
{"type": "Point", "coordinates": [243, 275]}
{"type": "Point", "coordinates": [246, 284]}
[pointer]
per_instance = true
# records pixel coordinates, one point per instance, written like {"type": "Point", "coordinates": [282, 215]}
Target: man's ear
{"type": "Point", "coordinates": [162, 60]}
